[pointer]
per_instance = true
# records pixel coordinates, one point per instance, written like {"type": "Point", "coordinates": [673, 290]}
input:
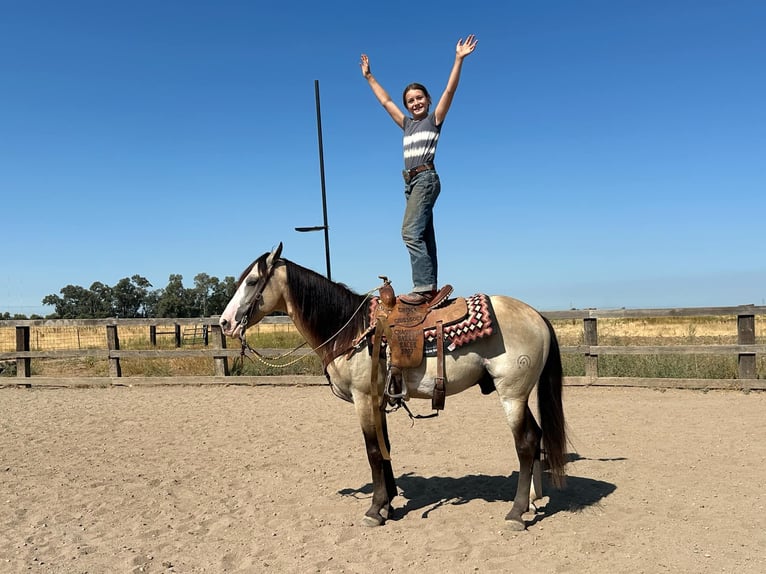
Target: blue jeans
{"type": "Point", "coordinates": [418, 228]}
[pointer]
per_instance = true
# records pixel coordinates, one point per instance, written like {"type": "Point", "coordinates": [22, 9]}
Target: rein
{"type": "Point", "coordinates": [394, 399]}
{"type": "Point", "coordinates": [262, 282]}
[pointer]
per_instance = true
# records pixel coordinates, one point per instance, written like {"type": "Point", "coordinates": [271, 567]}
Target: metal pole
{"type": "Point", "coordinates": [321, 175]}
{"type": "Point", "coordinates": [324, 227]}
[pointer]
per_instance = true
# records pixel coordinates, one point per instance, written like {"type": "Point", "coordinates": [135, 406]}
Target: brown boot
{"type": "Point", "coordinates": [418, 297]}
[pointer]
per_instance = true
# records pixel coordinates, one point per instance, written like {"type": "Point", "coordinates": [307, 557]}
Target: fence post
{"type": "Point", "coordinates": [746, 336]}
{"type": "Point", "coordinates": [153, 335]}
{"type": "Point", "coordinates": [177, 329]}
{"type": "Point", "coordinates": [590, 336]}
{"type": "Point", "coordinates": [113, 344]}
{"type": "Point", "coordinates": [221, 364]}
{"type": "Point", "coordinates": [24, 364]}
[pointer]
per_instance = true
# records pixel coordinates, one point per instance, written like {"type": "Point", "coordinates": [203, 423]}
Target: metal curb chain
{"type": "Point", "coordinates": [246, 346]}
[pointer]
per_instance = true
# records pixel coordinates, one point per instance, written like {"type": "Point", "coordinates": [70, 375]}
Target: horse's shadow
{"type": "Point", "coordinates": [428, 494]}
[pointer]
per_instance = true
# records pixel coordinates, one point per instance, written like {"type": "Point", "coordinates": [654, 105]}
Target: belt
{"type": "Point", "coordinates": [410, 173]}
{"type": "Point", "coordinates": [416, 170]}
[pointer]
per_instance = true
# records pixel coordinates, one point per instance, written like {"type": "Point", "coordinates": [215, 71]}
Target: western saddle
{"type": "Point", "coordinates": [404, 325]}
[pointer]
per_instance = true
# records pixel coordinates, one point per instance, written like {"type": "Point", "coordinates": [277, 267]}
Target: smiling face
{"type": "Point", "coordinates": [417, 100]}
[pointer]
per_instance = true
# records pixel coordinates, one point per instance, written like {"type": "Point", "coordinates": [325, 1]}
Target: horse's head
{"type": "Point", "coordinates": [255, 296]}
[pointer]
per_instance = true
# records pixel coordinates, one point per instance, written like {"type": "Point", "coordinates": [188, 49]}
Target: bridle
{"type": "Point", "coordinates": [260, 286]}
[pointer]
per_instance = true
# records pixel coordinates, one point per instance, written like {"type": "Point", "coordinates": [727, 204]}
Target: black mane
{"type": "Point", "coordinates": [322, 306]}
{"type": "Point", "coordinates": [325, 306]}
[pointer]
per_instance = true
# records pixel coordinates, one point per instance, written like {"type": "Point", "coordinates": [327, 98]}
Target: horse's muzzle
{"type": "Point", "coordinates": [228, 328]}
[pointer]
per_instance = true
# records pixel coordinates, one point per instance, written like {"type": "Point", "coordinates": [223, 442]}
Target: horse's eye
{"type": "Point", "coordinates": [251, 282]}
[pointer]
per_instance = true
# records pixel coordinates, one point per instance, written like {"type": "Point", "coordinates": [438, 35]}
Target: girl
{"type": "Point", "coordinates": [422, 185]}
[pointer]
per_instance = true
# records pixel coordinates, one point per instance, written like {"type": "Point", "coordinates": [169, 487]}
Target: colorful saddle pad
{"type": "Point", "coordinates": [478, 323]}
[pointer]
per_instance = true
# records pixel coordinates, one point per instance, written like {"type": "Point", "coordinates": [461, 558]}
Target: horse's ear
{"type": "Point", "coordinates": [274, 255]}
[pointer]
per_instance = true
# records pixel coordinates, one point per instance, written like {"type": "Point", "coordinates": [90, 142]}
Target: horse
{"type": "Point", "coordinates": [521, 352]}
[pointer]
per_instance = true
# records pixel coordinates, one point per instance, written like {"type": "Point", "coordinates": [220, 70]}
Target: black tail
{"type": "Point", "coordinates": [552, 411]}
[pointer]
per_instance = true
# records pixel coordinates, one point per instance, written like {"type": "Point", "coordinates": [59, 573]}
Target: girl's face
{"type": "Point", "coordinates": [417, 103]}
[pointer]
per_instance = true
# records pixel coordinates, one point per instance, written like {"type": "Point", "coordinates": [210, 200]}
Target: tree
{"type": "Point", "coordinates": [175, 299]}
{"type": "Point", "coordinates": [101, 300]}
{"type": "Point", "coordinates": [203, 288]}
{"type": "Point", "coordinates": [151, 301]}
{"type": "Point", "coordinates": [17, 316]}
{"type": "Point", "coordinates": [222, 293]}
{"type": "Point", "coordinates": [211, 294]}
{"type": "Point", "coordinates": [133, 297]}
{"type": "Point", "coordinates": [129, 296]}
{"type": "Point", "coordinates": [75, 302]}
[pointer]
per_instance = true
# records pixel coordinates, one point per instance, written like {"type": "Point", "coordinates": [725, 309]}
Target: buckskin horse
{"type": "Point", "coordinates": [519, 352]}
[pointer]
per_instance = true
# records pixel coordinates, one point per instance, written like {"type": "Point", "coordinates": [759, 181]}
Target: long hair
{"type": "Point", "coordinates": [552, 410]}
{"type": "Point", "coordinates": [324, 308]}
{"type": "Point", "coordinates": [415, 86]}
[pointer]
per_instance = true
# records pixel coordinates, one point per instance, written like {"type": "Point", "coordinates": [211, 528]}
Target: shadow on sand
{"type": "Point", "coordinates": [427, 494]}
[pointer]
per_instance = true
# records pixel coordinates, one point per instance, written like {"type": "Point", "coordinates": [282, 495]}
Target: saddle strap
{"type": "Point", "coordinates": [437, 400]}
{"type": "Point", "coordinates": [375, 400]}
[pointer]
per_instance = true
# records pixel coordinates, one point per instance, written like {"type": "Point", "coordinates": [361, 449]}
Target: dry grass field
{"type": "Point", "coordinates": [665, 331]}
{"type": "Point", "coordinates": [672, 330]}
{"type": "Point", "coordinates": [84, 337]}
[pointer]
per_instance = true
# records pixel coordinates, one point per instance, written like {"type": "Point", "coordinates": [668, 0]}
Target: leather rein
{"type": "Point", "coordinates": [394, 399]}
{"type": "Point", "coordinates": [259, 289]}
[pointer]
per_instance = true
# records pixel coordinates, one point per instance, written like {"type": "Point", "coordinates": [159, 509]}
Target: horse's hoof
{"type": "Point", "coordinates": [515, 523]}
{"type": "Point", "coordinates": [371, 521]}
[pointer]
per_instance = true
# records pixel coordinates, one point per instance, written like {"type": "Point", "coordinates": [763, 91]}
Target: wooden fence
{"type": "Point", "coordinates": [747, 350]}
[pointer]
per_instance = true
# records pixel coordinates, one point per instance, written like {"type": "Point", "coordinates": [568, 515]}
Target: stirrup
{"type": "Point", "coordinates": [441, 296]}
{"type": "Point", "coordinates": [417, 297]}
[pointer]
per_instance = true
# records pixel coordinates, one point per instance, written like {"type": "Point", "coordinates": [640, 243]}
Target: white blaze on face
{"type": "Point", "coordinates": [231, 317]}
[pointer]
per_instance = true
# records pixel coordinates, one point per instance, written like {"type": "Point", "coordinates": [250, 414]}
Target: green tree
{"type": "Point", "coordinates": [222, 293]}
{"type": "Point", "coordinates": [134, 297]}
{"type": "Point", "coordinates": [211, 294]}
{"type": "Point", "coordinates": [203, 288]}
{"type": "Point", "coordinates": [75, 302]}
{"type": "Point", "coordinates": [129, 296]}
{"type": "Point", "coordinates": [175, 300]}
{"type": "Point", "coordinates": [151, 302]}
{"type": "Point", "coordinates": [100, 301]}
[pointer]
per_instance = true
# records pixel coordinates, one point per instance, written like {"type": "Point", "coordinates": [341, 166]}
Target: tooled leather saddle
{"type": "Point", "coordinates": [404, 327]}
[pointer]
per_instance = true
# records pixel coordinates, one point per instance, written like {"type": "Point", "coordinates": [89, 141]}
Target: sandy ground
{"type": "Point", "coordinates": [254, 479]}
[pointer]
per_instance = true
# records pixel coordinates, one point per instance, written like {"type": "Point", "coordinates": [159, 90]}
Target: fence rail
{"type": "Point", "coordinates": [747, 350]}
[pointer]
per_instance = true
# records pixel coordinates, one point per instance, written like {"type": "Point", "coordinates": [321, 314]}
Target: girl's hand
{"type": "Point", "coordinates": [464, 48]}
{"type": "Point", "coordinates": [365, 65]}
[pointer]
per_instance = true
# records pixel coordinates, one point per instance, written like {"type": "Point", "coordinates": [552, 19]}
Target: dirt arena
{"type": "Point", "coordinates": [254, 479]}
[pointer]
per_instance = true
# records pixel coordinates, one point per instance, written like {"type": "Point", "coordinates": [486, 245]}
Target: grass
{"type": "Point", "coordinates": [251, 366]}
{"type": "Point", "coordinates": [665, 331]}
{"type": "Point", "coordinates": [660, 331]}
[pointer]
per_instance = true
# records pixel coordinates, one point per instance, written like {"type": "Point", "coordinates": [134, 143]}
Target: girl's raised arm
{"type": "Point", "coordinates": [461, 51]}
{"type": "Point", "coordinates": [385, 100]}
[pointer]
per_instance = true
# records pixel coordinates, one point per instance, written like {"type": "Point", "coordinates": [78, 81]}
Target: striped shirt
{"type": "Point", "coordinates": [420, 140]}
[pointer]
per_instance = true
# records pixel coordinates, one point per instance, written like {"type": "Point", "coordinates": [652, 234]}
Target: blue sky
{"type": "Point", "coordinates": [599, 153]}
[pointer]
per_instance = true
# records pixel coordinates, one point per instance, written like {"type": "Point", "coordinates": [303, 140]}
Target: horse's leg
{"type": "Point", "coordinates": [537, 480]}
{"type": "Point", "coordinates": [536, 492]}
{"type": "Point", "coordinates": [382, 472]}
{"type": "Point", "coordinates": [526, 435]}
{"type": "Point", "coordinates": [388, 473]}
